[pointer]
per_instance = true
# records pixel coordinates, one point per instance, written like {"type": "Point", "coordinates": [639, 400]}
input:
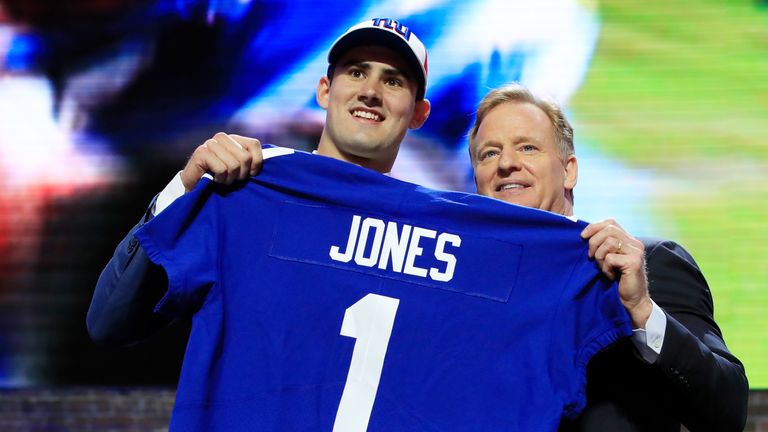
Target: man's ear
{"type": "Point", "coordinates": [420, 114]}
{"type": "Point", "coordinates": [323, 92]}
{"type": "Point", "coordinates": [571, 173]}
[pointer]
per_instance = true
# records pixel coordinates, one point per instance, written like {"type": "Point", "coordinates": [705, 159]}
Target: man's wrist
{"type": "Point", "coordinates": [641, 312]}
{"type": "Point", "coordinates": [650, 340]}
{"type": "Point", "coordinates": [173, 190]}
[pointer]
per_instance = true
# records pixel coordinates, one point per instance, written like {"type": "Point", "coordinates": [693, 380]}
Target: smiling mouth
{"type": "Point", "coordinates": [510, 186]}
{"type": "Point", "coordinates": [367, 115]}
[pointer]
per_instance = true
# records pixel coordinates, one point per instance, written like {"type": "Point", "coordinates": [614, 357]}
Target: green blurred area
{"type": "Point", "coordinates": [681, 88]}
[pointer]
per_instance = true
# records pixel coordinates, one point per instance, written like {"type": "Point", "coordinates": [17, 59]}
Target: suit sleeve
{"type": "Point", "coordinates": [710, 381]}
{"type": "Point", "coordinates": [121, 310]}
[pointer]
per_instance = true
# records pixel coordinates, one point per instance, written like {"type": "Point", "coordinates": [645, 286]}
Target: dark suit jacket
{"type": "Point", "coordinates": [129, 287]}
{"type": "Point", "coordinates": [695, 381]}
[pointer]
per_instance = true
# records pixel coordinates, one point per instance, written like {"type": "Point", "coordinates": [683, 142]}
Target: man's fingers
{"type": "Point", "coordinates": [607, 231]}
{"type": "Point", "coordinates": [252, 157]}
{"type": "Point", "coordinates": [608, 246]}
{"type": "Point", "coordinates": [615, 265]}
{"type": "Point", "coordinates": [598, 240]}
{"type": "Point", "coordinates": [591, 229]}
{"type": "Point", "coordinates": [213, 164]}
{"type": "Point", "coordinates": [196, 166]}
{"type": "Point", "coordinates": [225, 166]}
{"type": "Point", "coordinates": [257, 158]}
{"type": "Point", "coordinates": [228, 157]}
{"type": "Point", "coordinates": [236, 159]}
{"type": "Point", "coordinates": [627, 261]}
{"type": "Point", "coordinates": [595, 227]}
{"type": "Point", "coordinates": [245, 141]}
{"type": "Point", "coordinates": [253, 147]}
{"type": "Point", "coordinates": [608, 271]}
{"type": "Point", "coordinates": [225, 138]}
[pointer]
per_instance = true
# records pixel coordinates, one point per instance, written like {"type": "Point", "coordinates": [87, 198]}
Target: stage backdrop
{"type": "Point", "coordinates": [102, 101]}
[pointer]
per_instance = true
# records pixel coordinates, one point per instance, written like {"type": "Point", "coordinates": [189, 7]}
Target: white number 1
{"type": "Point", "coordinates": [370, 321]}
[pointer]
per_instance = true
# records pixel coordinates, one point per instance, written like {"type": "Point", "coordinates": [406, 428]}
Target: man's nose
{"type": "Point", "coordinates": [509, 160]}
{"type": "Point", "coordinates": [370, 91]}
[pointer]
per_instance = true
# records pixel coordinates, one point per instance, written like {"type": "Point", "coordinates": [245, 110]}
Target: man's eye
{"type": "Point", "coordinates": [488, 154]}
{"type": "Point", "coordinates": [393, 82]}
{"type": "Point", "coordinates": [528, 148]}
{"type": "Point", "coordinates": [355, 73]}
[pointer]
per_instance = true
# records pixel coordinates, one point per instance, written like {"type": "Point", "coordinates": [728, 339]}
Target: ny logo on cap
{"type": "Point", "coordinates": [390, 24]}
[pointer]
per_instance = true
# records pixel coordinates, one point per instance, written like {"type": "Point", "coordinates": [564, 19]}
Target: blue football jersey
{"type": "Point", "coordinates": [329, 297]}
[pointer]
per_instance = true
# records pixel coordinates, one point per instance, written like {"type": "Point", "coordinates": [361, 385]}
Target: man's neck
{"type": "Point", "coordinates": [329, 150]}
{"type": "Point", "coordinates": [567, 209]}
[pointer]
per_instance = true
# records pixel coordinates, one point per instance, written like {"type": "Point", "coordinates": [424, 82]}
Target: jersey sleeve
{"type": "Point", "coordinates": [590, 316]}
{"type": "Point", "coordinates": [183, 240]}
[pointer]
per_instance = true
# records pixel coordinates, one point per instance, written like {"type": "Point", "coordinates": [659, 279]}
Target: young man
{"type": "Point", "coordinates": [521, 148]}
{"type": "Point", "coordinates": [373, 93]}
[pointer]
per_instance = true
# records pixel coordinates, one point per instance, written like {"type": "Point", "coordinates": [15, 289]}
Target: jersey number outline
{"type": "Point", "coordinates": [369, 321]}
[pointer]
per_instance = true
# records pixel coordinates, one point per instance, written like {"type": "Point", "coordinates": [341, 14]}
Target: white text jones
{"type": "Point", "coordinates": [400, 247]}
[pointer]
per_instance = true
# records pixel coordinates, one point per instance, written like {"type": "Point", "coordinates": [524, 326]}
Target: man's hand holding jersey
{"type": "Point", "coordinates": [619, 254]}
{"type": "Point", "coordinates": [228, 157]}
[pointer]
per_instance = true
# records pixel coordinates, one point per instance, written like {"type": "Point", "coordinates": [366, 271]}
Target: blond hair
{"type": "Point", "coordinates": [516, 93]}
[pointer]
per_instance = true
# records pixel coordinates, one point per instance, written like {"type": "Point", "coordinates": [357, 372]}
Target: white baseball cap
{"type": "Point", "coordinates": [391, 34]}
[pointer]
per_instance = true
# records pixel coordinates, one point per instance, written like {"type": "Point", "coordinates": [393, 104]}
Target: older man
{"type": "Point", "coordinates": [677, 369]}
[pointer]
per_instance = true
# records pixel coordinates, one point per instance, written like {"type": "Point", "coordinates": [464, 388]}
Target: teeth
{"type": "Point", "coordinates": [366, 115]}
{"type": "Point", "coordinates": [512, 186]}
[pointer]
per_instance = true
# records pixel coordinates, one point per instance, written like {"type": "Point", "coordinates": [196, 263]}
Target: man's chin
{"type": "Point", "coordinates": [517, 198]}
{"type": "Point", "coordinates": [369, 148]}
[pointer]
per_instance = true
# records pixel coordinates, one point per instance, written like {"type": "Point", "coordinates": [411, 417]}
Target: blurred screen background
{"type": "Point", "coordinates": [102, 101]}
